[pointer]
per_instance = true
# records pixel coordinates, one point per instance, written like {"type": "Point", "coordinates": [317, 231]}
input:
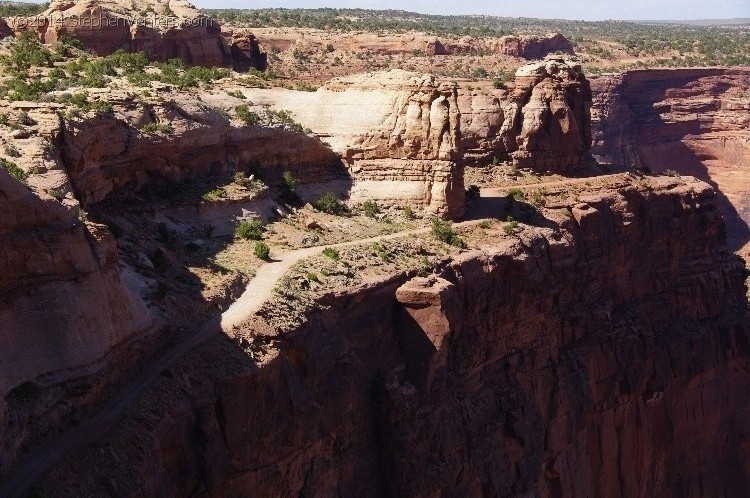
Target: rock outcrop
{"type": "Point", "coordinates": [690, 121]}
{"type": "Point", "coordinates": [109, 154]}
{"type": "Point", "coordinates": [164, 30]}
{"type": "Point", "coordinates": [531, 368]}
{"type": "Point", "coordinates": [314, 40]}
{"type": "Point", "coordinates": [246, 50]}
{"type": "Point", "coordinates": [533, 47]}
{"type": "Point", "coordinates": [51, 261]}
{"type": "Point", "coordinates": [397, 133]}
{"type": "Point", "coordinates": [542, 123]}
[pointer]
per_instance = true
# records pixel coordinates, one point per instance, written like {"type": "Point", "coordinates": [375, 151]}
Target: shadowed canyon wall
{"type": "Point", "coordinates": [604, 357]}
{"type": "Point", "coordinates": [65, 308]}
{"type": "Point", "coordinates": [691, 121]}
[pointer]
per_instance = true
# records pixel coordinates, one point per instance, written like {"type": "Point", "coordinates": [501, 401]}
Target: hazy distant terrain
{"type": "Point", "coordinates": [605, 45]}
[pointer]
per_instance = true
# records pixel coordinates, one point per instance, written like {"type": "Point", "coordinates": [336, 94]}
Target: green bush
{"type": "Point", "coordinates": [245, 115]}
{"type": "Point", "coordinates": [13, 170]}
{"type": "Point", "coordinates": [517, 194]}
{"type": "Point", "coordinates": [370, 208]}
{"type": "Point", "coordinates": [444, 232]}
{"type": "Point", "coordinates": [332, 253]}
{"type": "Point", "coordinates": [249, 230]}
{"type": "Point", "coordinates": [511, 226]}
{"type": "Point", "coordinates": [311, 277]}
{"type": "Point", "coordinates": [262, 251]}
{"type": "Point", "coordinates": [329, 203]}
{"type": "Point", "coordinates": [27, 52]}
{"type": "Point", "coordinates": [289, 189]}
{"type": "Point", "coordinates": [214, 194]}
{"type": "Point", "coordinates": [57, 193]}
{"type": "Point", "coordinates": [286, 118]}
{"type": "Point", "coordinates": [380, 250]}
{"type": "Point", "coordinates": [236, 94]}
{"type": "Point", "coordinates": [149, 128]}
{"type": "Point", "coordinates": [538, 198]}
{"type": "Point", "coordinates": [154, 128]}
{"type": "Point", "coordinates": [409, 213]}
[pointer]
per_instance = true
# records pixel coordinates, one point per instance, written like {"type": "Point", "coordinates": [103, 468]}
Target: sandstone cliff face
{"type": "Point", "coordinates": [65, 308]}
{"type": "Point", "coordinates": [313, 40]}
{"type": "Point", "coordinates": [543, 123]}
{"type": "Point", "coordinates": [164, 30]}
{"type": "Point", "coordinates": [533, 47]}
{"type": "Point", "coordinates": [397, 133]}
{"type": "Point", "coordinates": [692, 121]}
{"type": "Point", "coordinates": [561, 363]}
{"type": "Point", "coordinates": [108, 154]}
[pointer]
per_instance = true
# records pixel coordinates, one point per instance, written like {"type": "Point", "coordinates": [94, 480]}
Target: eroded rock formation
{"type": "Point", "coordinates": [164, 30]}
{"type": "Point", "coordinates": [314, 40]}
{"type": "Point", "coordinates": [65, 308]}
{"type": "Point", "coordinates": [691, 121]}
{"type": "Point", "coordinates": [397, 133]}
{"type": "Point", "coordinates": [533, 47]}
{"type": "Point", "coordinates": [561, 363]}
{"type": "Point", "coordinates": [542, 123]}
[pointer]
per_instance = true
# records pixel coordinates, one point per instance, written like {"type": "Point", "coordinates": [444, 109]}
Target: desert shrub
{"type": "Point", "coordinates": [27, 52]}
{"type": "Point", "coordinates": [214, 194]}
{"type": "Point", "coordinates": [11, 150]}
{"type": "Point", "coordinates": [262, 251]}
{"type": "Point", "coordinates": [237, 94]}
{"type": "Point", "coordinates": [444, 232]}
{"type": "Point", "coordinates": [409, 213]}
{"type": "Point", "coordinates": [332, 253]}
{"type": "Point", "coordinates": [517, 194]}
{"type": "Point", "coordinates": [370, 208]}
{"type": "Point", "coordinates": [149, 128]}
{"type": "Point", "coordinates": [247, 116]}
{"type": "Point", "coordinates": [511, 226]}
{"type": "Point", "coordinates": [165, 128]}
{"type": "Point", "coordinates": [13, 170]}
{"type": "Point", "coordinates": [538, 198]}
{"type": "Point", "coordinates": [289, 189]}
{"type": "Point", "coordinates": [290, 182]}
{"type": "Point", "coordinates": [311, 277]}
{"type": "Point", "coordinates": [380, 250]}
{"type": "Point", "coordinates": [249, 230]}
{"type": "Point", "coordinates": [480, 72]}
{"type": "Point", "coordinates": [57, 193]}
{"type": "Point", "coordinates": [286, 118]}
{"type": "Point", "coordinates": [81, 101]}
{"type": "Point", "coordinates": [499, 84]}
{"type": "Point", "coordinates": [154, 128]}
{"type": "Point", "coordinates": [25, 120]}
{"type": "Point", "coordinates": [485, 224]}
{"type": "Point", "coordinates": [329, 203]}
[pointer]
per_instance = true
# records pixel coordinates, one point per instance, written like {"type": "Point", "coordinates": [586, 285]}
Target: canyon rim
{"type": "Point", "coordinates": [347, 252]}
